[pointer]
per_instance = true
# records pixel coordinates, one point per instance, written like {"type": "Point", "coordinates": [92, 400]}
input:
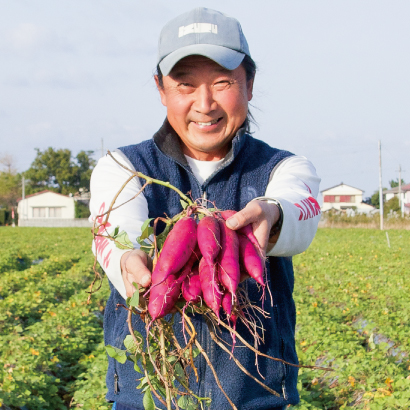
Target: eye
{"type": "Point", "coordinates": [186, 88]}
{"type": "Point", "coordinates": [222, 85]}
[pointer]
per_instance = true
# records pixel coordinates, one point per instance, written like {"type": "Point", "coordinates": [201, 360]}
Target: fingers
{"type": "Point", "coordinates": [262, 215]}
{"type": "Point", "coordinates": [135, 267]}
{"type": "Point", "coordinates": [251, 213]}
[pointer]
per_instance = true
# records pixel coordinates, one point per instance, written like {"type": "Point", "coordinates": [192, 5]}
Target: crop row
{"type": "Point", "coordinates": [28, 305]}
{"type": "Point", "coordinates": [352, 309]}
{"type": "Point", "coordinates": [44, 361]}
{"type": "Point", "coordinates": [50, 338]}
{"type": "Point", "coordinates": [16, 280]}
{"type": "Point", "coordinates": [352, 306]}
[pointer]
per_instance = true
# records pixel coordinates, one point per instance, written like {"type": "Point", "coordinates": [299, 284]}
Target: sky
{"type": "Point", "coordinates": [333, 79]}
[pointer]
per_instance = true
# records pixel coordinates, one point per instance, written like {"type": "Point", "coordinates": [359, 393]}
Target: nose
{"type": "Point", "coordinates": [204, 99]}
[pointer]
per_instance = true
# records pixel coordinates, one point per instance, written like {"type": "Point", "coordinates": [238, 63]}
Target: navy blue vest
{"type": "Point", "coordinates": [242, 176]}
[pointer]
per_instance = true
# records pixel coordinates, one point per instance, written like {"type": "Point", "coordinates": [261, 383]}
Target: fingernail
{"type": "Point", "coordinates": [232, 223]}
{"type": "Point", "coordinates": [146, 279]}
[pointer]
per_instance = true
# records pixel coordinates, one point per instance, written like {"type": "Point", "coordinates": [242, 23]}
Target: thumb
{"type": "Point", "coordinates": [251, 213]}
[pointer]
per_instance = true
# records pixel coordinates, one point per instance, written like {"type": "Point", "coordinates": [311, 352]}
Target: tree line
{"type": "Point", "coordinates": [59, 171]}
{"type": "Point", "coordinates": [55, 170]}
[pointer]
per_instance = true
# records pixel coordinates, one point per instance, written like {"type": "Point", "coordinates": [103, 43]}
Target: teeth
{"type": "Point", "coordinates": [204, 124]}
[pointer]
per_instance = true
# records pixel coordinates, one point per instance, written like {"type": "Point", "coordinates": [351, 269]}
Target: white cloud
{"type": "Point", "coordinates": [39, 128]}
{"type": "Point", "coordinates": [68, 78]}
{"type": "Point", "coordinates": [29, 39]}
{"type": "Point", "coordinates": [25, 36]}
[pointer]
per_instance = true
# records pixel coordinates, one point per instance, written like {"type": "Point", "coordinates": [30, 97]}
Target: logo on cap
{"type": "Point", "coordinates": [197, 28]}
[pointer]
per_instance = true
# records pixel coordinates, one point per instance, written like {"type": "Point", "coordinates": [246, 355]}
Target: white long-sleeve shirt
{"type": "Point", "coordinates": [293, 183]}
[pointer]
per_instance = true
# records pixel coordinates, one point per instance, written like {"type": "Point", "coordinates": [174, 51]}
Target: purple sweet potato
{"type": "Point", "coordinates": [177, 250]}
{"type": "Point", "coordinates": [164, 296]}
{"type": "Point", "coordinates": [209, 238]}
{"type": "Point", "coordinates": [250, 259]}
{"type": "Point", "coordinates": [246, 230]}
{"type": "Point", "coordinates": [191, 287]}
{"type": "Point", "coordinates": [210, 287]}
{"type": "Point", "coordinates": [227, 303]}
{"type": "Point", "coordinates": [228, 258]}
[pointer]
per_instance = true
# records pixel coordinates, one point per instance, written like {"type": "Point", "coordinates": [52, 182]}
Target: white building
{"type": "Point", "coordinates": [47, 208]}
{"type": "Point", "coordinates": [342, 197]}
{"type": "Point", "coordinates": [404, 197]}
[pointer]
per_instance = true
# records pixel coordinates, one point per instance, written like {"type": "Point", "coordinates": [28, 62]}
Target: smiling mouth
{"type": "Point", "coordinates": [207, 124]}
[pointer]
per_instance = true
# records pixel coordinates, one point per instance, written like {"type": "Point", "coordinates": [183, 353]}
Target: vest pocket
{"type": "Point", "coordinates": [285, 367]}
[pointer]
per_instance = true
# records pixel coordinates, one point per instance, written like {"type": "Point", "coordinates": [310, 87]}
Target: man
{"type": "Point", "coordinates": [205, 79]}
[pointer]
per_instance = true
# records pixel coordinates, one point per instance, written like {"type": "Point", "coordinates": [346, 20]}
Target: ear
{"type": "Point", "coordinates": [161, 91]}
{"type": "Point", "coordinates": [249, 89]}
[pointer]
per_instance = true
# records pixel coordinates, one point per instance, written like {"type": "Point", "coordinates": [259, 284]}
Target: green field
{"type": "Point", "coordinates": [352, 302]}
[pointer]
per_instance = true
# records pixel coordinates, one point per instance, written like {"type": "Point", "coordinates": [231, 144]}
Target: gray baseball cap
{"type": "Point", "coordinates": [204, 32]}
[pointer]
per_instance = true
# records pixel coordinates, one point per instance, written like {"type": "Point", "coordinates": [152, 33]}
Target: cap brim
{"type": "Point", "coordinates": [225, 57]}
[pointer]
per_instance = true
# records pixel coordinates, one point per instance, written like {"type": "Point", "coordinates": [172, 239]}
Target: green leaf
{"type": "Point", "coordinates": [163, 235]}
{"type": "Point", "coordinates": [138, 336]}
{"type": "Point", "coordinates": [172, 359]}
{"type": "Point", "coordinates": [135, 298]}
{"type": "Point", "coordinates": [183, 203]}
{"type": "Point", "coordinates": [195, 352]}
{"type": "Point", "coordinates": [143, 382]}
{"type": "Point", "coordinates": [149, 367]}
{"type": "Point", "coordinates": [200, 216]}
{"type": "Point", "coordinates": [148, 401]}
{"type": "Point", "coordinates": [130, 344]}
{"type": "Point", "coordinates": [183, 402]}
{"type": "Point", "coordinates": [117, 354]}
{"type": "Point", "coordinates": [137, 368]}
{"type": "Point", "coordinates": [116, 230]}
{"type": "Point", "coordinates": [179, 371]}
{"type": "Point", "coordinates": [159, 387]}
{"type": "Point", "coordinates": [146, 229]}
{"type": "Point", "coordinates": [145, 246]}
{"type": "Point", "coordinates": [122, 241]}
{"type": "Point", "coordinates": [134, 359]}
{"type": "Point", "coordinates": [187, 403]}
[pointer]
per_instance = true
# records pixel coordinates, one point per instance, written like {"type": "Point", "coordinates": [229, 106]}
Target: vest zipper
{"type": "Point", "coordinates": [204, 199]}
{"type": "Point", "coordinates": [285, 395]}
{"type": "Point", "coordinates": [115, 383]}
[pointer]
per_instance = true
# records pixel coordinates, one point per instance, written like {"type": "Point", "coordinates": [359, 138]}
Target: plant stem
{"type": "Point", "coordinates": [153, 181]}
{"type": "Point", "coordinates": [198, 345]}
{"type": "Point", "coordinates": [237, 362]}
{"type": "Point", "coordinates": [164, 366]}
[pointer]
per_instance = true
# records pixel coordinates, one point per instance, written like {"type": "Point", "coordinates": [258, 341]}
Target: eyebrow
{"type": "Point", "coordinates": [182, 71]}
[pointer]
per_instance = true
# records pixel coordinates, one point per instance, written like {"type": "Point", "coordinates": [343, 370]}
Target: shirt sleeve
{"type": "Point", "coordinates": [106, 181]}
{"type": "Point", "coordinates": [295, 185]}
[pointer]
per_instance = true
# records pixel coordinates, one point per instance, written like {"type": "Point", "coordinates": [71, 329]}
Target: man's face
{"type": "Point", "coordinates": [206, 105]}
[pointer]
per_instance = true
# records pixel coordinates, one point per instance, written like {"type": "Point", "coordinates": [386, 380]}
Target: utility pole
{"type": "Point", "coordinates": [380, 186]}
{"type": "Point", "coordinates": [23, 208]}
{"type": "Point", "coordinates": [400, 198]}
{"type": "Point", "coordinates": [400, 205]}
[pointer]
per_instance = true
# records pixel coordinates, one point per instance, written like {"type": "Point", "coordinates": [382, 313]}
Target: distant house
{"type": "Point", "coordinates": [404, 197]}
{"type": "Point", "coordinates": [47, 208]}
{"type": "Point", "coordinates": [343, 197]}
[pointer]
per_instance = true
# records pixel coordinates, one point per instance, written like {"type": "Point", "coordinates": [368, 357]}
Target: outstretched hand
{"type": "Point", "coordinates": [262, 215]}
{"type": "Point", "coordinates": [136, 267]}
